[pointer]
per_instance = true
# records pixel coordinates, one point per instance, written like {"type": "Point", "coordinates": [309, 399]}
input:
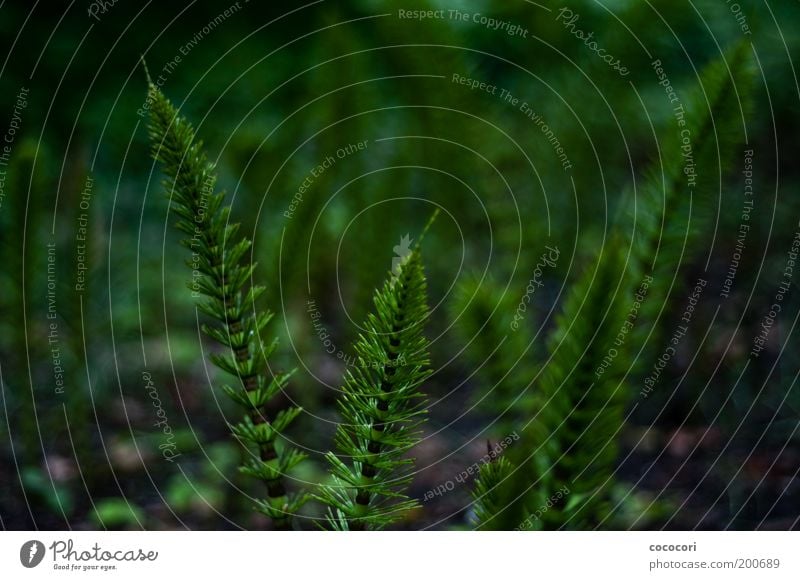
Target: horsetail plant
{"type": "Point", "coordinates": [221, 276]}
{"type": "Point", "coordinates": [572, 437]}
{"type": "Point", "coordinates": [571, 440]}
{"type": "Point", "coordinates": [486, 495]}
{"type": "Point", "coordinates": [381, 407]}
{"type": "Point", "coordinates": [575, 403]}
{"type": "Point", "coordinates": [675, 207]}
{"type": "Point", "coordinates": [495, 345]}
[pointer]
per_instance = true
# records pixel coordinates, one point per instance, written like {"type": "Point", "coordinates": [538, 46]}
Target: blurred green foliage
{"type": "Point", "coordinates": [274, 90]}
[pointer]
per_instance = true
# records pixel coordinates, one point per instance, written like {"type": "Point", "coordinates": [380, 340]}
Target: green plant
{"type": "Point", "coordinates": [221, 276]}
{"type": "Point", "coordinates": [58, 499]}
{"type": "Point", "coordinates": [16, 289]}
{"type": "Point", "coordinates": [381, 407]}
{"type": "Point", "coordinates": [676, 203]}
{"type": "Point", "coordinates": [116, 513]}
{"type": "Point", "coordinates": [202, 493]}
{"type": "Point", "coordinates": [578, 415]}
{"type": "Point", "coordinates": [562, 472]}
{"type": "Point", "coordinates": [500, 349]}
{"type": "Point", "coordinates": [486, 494]}
{"type": "Point", "coordinates": [581, 394]}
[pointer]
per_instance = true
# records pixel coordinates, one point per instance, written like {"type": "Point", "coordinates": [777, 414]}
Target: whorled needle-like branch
{"type": "Point", "coordinates": [381, 407]}
{"type": "Point", "coordinates": [571, 443]}
{"type": "Point", "coordinates": [222, 276]}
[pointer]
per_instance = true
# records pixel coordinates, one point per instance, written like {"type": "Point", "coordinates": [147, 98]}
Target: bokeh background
{"type": "Point", "coordinates": [92, 359]}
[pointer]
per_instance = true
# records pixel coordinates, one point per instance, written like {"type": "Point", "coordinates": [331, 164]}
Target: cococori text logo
{"type": "Point", "coordinates": [31, 553]}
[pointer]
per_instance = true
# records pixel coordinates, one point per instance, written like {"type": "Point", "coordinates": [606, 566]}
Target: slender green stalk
{"type": "Point", "coordinates": [569, 450]}
{"type": "Point", "coordinates": [487, 495]}
{"type": "Point", "coordinates": [221, 276]}
{"type": "Point", "coordinates": [381, 407]}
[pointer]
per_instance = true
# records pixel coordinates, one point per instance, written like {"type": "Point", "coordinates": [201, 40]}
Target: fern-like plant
{"type": "Point", "coordinates": [222, 277]}
{"type": "Point", "coordinates": [570, 445]}
{"type": "Point", "coordinates": [487, 495]}
{"type": "Point", "coordinates": [500, 350]}
{"type": "Point", "coordinates": [578, 416]}
{"type": "Point", "coordinates": [678, 198]}
{"type": "Point", "coordinates": [381, 407]}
